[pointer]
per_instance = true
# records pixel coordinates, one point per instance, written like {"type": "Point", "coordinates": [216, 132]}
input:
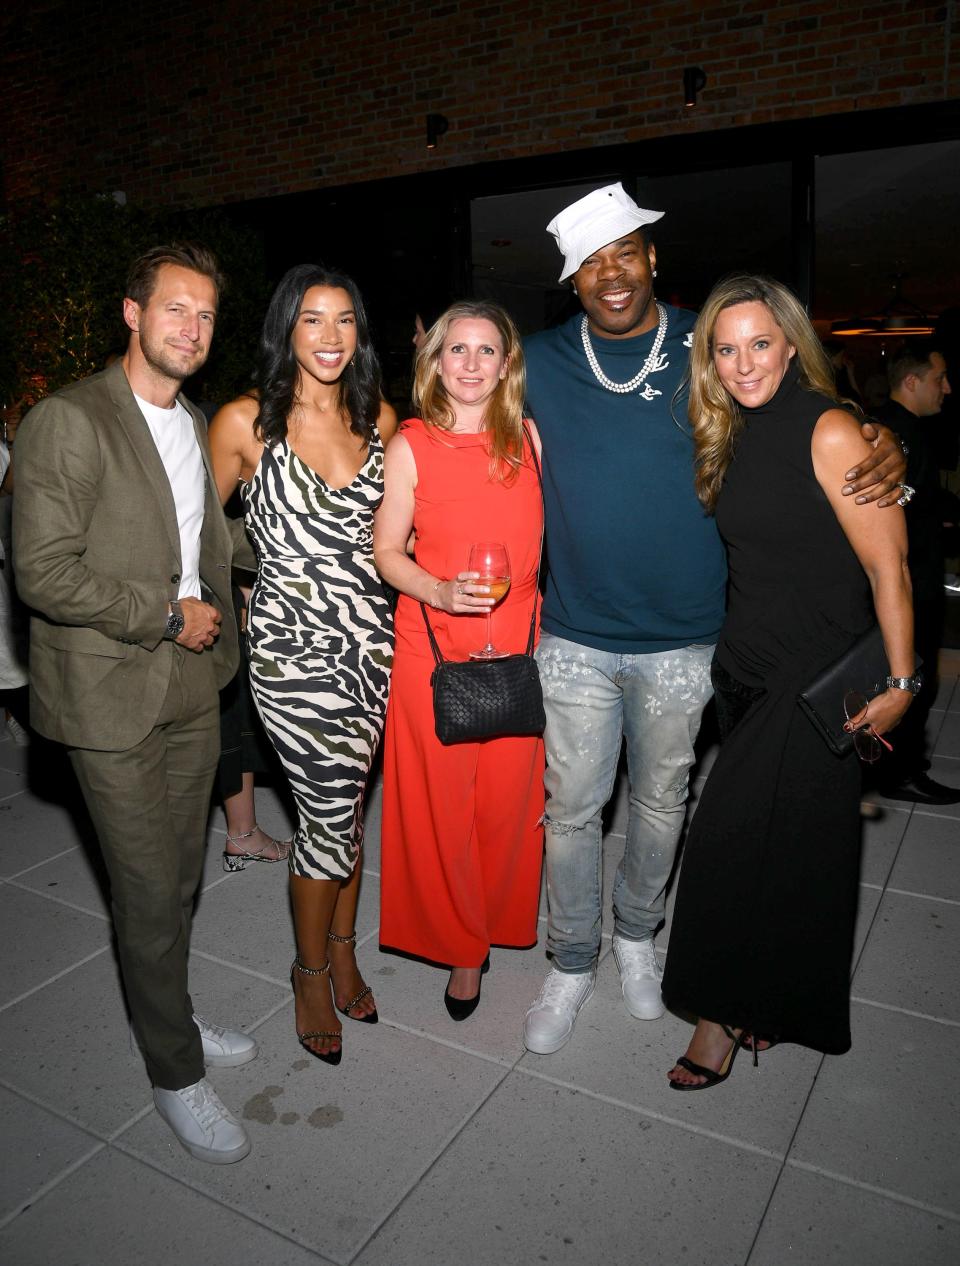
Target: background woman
{"type": "Point", "coordinates": [461, 836]}
{"type": "Point", "coordinates": [763, 929]}
{"type": "Point", "coordinates": [307, 446]}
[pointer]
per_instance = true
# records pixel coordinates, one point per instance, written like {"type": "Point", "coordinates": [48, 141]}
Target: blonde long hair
{"type": "Point", "coordinates": [503, 420]}
{"type": "Point", "coordinates": [714, 415]}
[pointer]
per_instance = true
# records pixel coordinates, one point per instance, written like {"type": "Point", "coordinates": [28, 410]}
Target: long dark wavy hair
{"type": "Point", "coordinates": [277, 373]}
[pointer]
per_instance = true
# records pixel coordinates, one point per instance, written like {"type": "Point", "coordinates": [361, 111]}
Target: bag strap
{"type": "Point", "coordinates": [438, 657]}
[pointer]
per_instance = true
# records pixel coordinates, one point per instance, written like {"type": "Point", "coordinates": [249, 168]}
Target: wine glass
{"type": "Point", "coordinates": [492, 561]}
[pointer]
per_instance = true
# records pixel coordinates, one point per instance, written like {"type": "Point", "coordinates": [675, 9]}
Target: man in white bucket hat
{"type": "Point", "coordinates": [634, 598]}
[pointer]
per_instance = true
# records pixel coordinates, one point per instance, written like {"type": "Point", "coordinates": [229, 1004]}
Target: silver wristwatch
{"type": "Point", "coordinates": [913, 684]}
{"type": "Point", "coordinates": [175, 621]}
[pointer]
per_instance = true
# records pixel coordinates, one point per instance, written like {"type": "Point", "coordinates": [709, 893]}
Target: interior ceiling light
{"type": "Point", "coordinates": [899, 318]}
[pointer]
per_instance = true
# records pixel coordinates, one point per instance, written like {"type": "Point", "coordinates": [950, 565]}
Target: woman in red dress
{"type": "Point", "coordinates": [462, 834]}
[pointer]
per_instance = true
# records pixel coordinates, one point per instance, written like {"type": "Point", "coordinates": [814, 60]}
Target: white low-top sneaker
{"type": "Point", "coordinates": [222, 1048]}
{"type": "Point", "coordinates": [202, 1124]}
{"type": "Point", "coordinates": [640, 977]}
{"type": "Point", "coordinates": [225, 1048]}
{"type": "Point", "coordinates": [549, 1022]}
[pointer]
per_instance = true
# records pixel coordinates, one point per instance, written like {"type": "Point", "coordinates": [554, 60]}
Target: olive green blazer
{"type": "Point", "coordinates": [97, 558]}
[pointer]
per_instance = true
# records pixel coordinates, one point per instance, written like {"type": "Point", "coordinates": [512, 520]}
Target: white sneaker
{"type": "Point", "coordinates": [202, 1124]}
{"type": "Point", "coordinates": [222, 1048]}
{"type": "Point", "coordinates": [549, 1022]}
{"type": "Point", "coordinates": [640, 977]}
{"type": "Point", "coordinates": [225, 1048]}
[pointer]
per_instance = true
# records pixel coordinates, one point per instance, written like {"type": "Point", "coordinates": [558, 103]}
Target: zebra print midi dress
{"type": "Point", "coordinates": [320, 638]}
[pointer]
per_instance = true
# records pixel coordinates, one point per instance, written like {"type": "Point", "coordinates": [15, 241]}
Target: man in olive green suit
{"type": "Point", "coordinates": [117, 525]}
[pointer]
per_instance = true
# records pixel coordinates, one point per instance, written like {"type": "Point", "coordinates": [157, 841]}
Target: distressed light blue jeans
{"type": "Point", "coordinates": [593, 699]}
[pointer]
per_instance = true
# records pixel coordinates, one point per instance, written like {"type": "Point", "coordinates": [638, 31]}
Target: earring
{"type": "Point", "coordinates": [654, 272]}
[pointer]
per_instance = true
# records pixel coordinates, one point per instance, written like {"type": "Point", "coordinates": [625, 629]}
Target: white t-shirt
{"type": "Point", "coordinates": [176, 441]}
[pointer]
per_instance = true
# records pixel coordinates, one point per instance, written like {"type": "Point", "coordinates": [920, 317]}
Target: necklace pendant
{"type": "Point", "coordinates": [656, 360]}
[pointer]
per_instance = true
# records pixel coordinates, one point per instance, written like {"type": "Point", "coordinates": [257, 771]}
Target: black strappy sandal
{"type": "Point", "coordinates": [713, 1077]}
{"type": "Point", "coordinates": [372, 1017]}
{"type": "Point", "coordinates": [329, 1057]}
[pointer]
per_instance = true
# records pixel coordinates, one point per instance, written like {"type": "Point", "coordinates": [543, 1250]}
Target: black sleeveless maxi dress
{"type": "Point", "coordinates": [762, 933]}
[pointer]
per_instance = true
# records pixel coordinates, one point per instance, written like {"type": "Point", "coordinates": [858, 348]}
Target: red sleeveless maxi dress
{"type": "Point", "coordinates": [462, 831]}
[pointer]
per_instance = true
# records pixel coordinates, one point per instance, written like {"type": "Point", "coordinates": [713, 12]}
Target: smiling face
{"type": "Point", "coordinates": [471, 364]}
{"type": "Point", "coordinates": [615, 286]}
{"type": "Point", "coordinates": [750, 353]}
{"type": "Point", "coordinates": [174, 328]}
{"type": "Point", "coordinates": [324, 337]}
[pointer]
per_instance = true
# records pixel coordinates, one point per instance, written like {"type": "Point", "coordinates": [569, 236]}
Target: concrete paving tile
{"type": "Point", "coordinates": [912, 958]}
{"type": "Point", "coordinates": [881, 838]}
{"type": "Point", "coordinates": [948, 739]}
{"type": "Point", "coordinates": [542, 1174]}
{"type": "Point", "coordinates": [613, 1054]}
{"type": "Point", "coordinates": [42, 938]}
{"type": "Point", "coordinates": [885, 1113]}
{"type": "Point", "coordinates": [68, 1044]}
{"type": "Point", "coordinates": [14, 759]}
{"type": "Point", "coordinates": [78, 877]}
{"type": "Point", "coordinates": [334, 1149]}
{"type": "Point", "coordinates": [927, 861]}
{"type": "Point", "coordinates": [115, 1210]}
{"type": "Point", "coordinates": [11, 783]}
{"type": "Point", "coordinates": [815, 1221]}
{"type": "Point", "coordinates": [868, 901]}
{"type": "Point", "coordinates": [31, 830]}
{"type": "Point", "coordinates": [946, 687]}
{"type": "Point", "coordinates": [37, 1146]}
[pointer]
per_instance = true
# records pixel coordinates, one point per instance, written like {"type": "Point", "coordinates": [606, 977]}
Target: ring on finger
{"type": "Point", "coordinates": [460, 590]}
{"type": "Point", "coordinates": [906, 494]}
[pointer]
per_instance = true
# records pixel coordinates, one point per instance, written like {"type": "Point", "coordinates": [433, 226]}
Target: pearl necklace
{"type": "Point", "coordinates": [651, 363]}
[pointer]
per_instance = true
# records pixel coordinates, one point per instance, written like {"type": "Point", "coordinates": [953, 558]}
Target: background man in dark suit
{"type": "Point", "coordinates": [124, 554]}
{"type": "Point", "coordinates": [918, 384]}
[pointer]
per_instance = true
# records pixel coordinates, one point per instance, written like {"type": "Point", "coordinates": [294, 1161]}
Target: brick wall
{"type": "Point", "coordinates": [202, 104]}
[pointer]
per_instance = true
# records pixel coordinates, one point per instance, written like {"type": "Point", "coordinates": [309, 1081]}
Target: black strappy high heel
{"type": "Point", "coordinates": [329, 1057]}
{"type": "Point", "coordinates": [713, 1077]}
{"type": "Point", "coordinates": [371, 1017]}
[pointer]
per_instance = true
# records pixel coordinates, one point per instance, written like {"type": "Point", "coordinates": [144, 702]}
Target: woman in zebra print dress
{"type": "Point", "coordinates": [307, 447]}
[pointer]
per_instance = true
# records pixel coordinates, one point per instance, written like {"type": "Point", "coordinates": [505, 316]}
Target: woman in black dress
{"type": "Point", "coordinates": [763, 929]}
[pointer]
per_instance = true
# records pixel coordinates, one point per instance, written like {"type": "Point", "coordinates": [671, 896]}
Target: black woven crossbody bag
{"type": "Point", "coordinates": [488, 698]}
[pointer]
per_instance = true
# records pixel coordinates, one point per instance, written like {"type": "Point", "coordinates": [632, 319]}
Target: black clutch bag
{"type": "Point", "coordinates": [863, 668]}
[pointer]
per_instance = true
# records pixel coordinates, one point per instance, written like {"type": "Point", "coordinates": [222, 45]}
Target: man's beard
{"type": "Point", "coordinates": [171, 364]}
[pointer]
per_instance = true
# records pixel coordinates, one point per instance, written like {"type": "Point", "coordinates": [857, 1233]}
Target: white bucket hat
{"type": "Point", "coordinates": [591, 222]}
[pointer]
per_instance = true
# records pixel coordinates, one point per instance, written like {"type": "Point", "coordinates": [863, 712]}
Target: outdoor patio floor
{"type": "Point", "coordinates": [438, 1144]}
